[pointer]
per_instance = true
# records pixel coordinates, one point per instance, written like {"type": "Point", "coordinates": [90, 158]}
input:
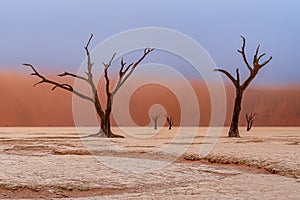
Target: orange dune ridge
{"type": "Point", "coordinates": [24, 105]}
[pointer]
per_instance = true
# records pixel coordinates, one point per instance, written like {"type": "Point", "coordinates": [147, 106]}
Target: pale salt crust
{"type": "Point", "coordinates": [40, 157]}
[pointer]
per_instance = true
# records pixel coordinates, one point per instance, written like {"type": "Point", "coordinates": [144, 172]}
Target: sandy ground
{"type": "Point", "coordinates": [55, 163]}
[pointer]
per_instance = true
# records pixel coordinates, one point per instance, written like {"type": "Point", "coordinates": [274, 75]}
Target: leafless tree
{"type": "Point", "coordinates": [104, 114]}
{"type": "Point", "coordinates": [250, 119]}
{"type": "Point", "coordinates": [240, 88]}
{"type": "Point", "coordinates": [155, 118]}
{"type": "Point", "coordinates": [170, 121]}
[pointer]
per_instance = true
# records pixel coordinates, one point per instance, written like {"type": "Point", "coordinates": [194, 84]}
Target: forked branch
{"type": "Point", "coordinates": [250, 120]}
{"type": "Point", "coordinates": [68, 87]}
{"type": "Point", "coordinates": [242, 52]}
{"type": "Point", "coordinates": [170, 121]}
{"type": "Point", "coordinates": [126, 71]}
{"type": "Point", "coordinates": [73, 75]}
{"type": "Point", "coordinates": [240, 88]}
{"type": "Point", "coordinates": [89, 64]}
{"type": "Point", "coordinates": [253, 69]}
{"type": "Point", "coordinates": [56, 84]}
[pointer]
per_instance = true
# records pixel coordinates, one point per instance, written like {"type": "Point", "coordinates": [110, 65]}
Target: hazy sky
{"type": "Point", "coordinates": [52, 33]}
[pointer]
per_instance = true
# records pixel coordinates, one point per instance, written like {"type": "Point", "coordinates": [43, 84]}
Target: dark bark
{"type": "Point", "coordinates": [250, 120]}
{"type": "Point", "coordinates": [104, 115]}
{"type": "Point", "coordinates": [234, 126]}
{"type": "Point", "coordinates": [170, 121]}
{"type": "Point", "coordinates": [240, 88]}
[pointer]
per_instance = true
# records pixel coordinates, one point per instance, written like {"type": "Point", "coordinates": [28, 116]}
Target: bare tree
{"type": "Point", "coordinates": [250, 119]}
{"type": "Point", "coordinates": [240, 88]}
{"type": "Point", "coordinates": [155, 118]}
{"type": "Point", "coordinates": [124, 72]}
{"type": "Point", "coordinates": [170, 121]}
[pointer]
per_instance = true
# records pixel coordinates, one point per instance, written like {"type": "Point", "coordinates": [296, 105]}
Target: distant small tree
{"type": "Point", "coordinates": [155, 118]}
{"type": "Point", "coordinates": [170, 121]}
{"type": "Point", "coordinates": [104, 114]}
{"type": "Point", "coordinates": [240, 88]}
{"type": "Point", "coordinates": [250, 119]}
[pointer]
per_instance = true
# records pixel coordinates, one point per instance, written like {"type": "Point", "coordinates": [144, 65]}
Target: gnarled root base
{"type": "Point", "coordinates": [101, 134]}
{"type": "Point", "coordinates": [112, 135]}
{"type": "Point", "coordinates": [233, 133]}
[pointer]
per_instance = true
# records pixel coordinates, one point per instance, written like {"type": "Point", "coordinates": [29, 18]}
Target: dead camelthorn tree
{"type": "Point", "coordinates": [104, 114]}
{"type": "Point", "coordinates": [240, 88]}
{"type": "Point", "coordinates": [250, 119]}
{"type": "Point", "coordinates": [155, 118]}
{"type": "Point", "coordinates": [170, 121]}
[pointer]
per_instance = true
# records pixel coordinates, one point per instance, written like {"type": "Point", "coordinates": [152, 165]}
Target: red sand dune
{"type": "Point", "coordinates": [23, 105]}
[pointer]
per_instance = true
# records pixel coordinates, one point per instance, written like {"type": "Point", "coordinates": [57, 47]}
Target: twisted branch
{"type": "Point", "coordinates": [68, 87]}
{"type": "Point", "coordinates": [233, 80]}
{"type": "Point", "coordinates": [124, 74]}
{"type": "Point", "coordinates": [73, 75]}
{"type": "Point", "coordinates": [250, 120]}
{"type": "Point", "coordinates": [170, 120]}
{"type": "Point", "coordinates": [253, 69]}
{"type": "Point", "coordinates": [242, 52]}
{"type": "Point", "coordinates": [56, 84]}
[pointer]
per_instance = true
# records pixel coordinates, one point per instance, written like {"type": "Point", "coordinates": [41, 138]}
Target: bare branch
{"type": "Point", "coordinates": [170, 121]}
{"type": "Point", "coordinates": [127, 68]}
{"type": "Point", "coordinates": [107, 79]}
{"type": "Point", "coordinates": [107, 65]}
{"type": "Point", "coordinates": [250, 120]}
{"type": "Point", "coordinates": [88, 43]}
{"type": "Point", "coordinates": [260, 57]}
{"type": "Point", "coordinates": [73, 75]}
{"type": "Point", "coordinates": [256, 67]}
{"type": "Point", "coordinates": [255, 60]}
{"type": "Point", "coordinates": [266, 62]}
{"type": "Point", "coordinates": [242, 52]}
{"type": "Point", "coordinates": [62, 86]}
{"type": "Point", "coordinates": [124, 75]}
{"type": "Point", "coordinates": [122, 72]}
{"type": "Point", "coordinates": [237, 77]}
{"type": "Point", "coordinates": [29, 65]}
{"type": "Point", "coordinates": [89, 64]}
{"type": "Point", "coordinates": [90, 79]}
{"type": "Point", "coordinates": [148, 50]}
{"type": "Point", "coordinates": [37, 82]}
{"type": "Point", "coordinates": [228, 75]}
{"type": "Point", "coordinates": [122, 67]}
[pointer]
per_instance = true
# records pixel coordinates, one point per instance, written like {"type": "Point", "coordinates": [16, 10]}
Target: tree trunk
{"type": "Point", "coordinates": [249, 126]}
{"type": "Point", "coordinates": [240, 88]}
{"type": "Point", "coordinates": [170, 121]}
{"type": "Point", "coordinates": [234, 127]}
{"type": "Point", "coordinates": [105, 130]}
{"type": "Point", "coordinates": [155, 124]}
{"type": "Point", "coordinates": [124, 73]}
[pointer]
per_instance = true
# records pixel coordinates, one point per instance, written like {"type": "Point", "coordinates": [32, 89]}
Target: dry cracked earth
{"type": "Point", "coordinates": [49, 163]}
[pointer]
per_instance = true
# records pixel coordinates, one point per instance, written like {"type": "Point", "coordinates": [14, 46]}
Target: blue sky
{"type": "Point", "coordinates": [51, 34]}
